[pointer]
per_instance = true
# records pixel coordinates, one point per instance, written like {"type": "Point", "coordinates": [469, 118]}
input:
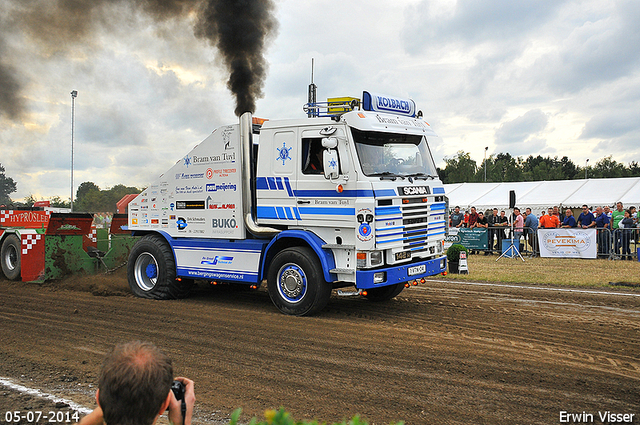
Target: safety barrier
{"type": "Point", "coordinates": [616, 244]}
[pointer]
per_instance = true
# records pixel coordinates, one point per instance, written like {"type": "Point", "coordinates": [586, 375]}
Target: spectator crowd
{"type": "Point", "coordinates": [616, 226]}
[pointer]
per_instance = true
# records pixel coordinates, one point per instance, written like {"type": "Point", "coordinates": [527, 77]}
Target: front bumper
{"type": "Point", "coordinates": [400, 274]}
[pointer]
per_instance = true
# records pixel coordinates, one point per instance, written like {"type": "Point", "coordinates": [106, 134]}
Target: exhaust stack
{"type": "Point", "coordinates": [248, 180]}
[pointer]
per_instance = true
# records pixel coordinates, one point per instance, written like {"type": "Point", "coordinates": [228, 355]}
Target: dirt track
{"type": "Point", "coordinates": [439, 353]}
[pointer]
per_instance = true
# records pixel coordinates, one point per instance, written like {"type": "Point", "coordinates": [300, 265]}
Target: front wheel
{"type": "Point", "coordinates": [385, 293]}
{"type": "Point", "coordinates": [10, 257]}
{"type": "Point", "coordinates": [151, 270]}
{"type": "Point", "coordinates": [296, 283]}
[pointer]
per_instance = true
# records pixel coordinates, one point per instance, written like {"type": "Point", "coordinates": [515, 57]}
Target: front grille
{"type": "Point", "coordinates": [410, 226]}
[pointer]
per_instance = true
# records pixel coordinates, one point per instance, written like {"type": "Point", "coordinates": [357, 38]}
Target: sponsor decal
{"type": "Point", "coordinates": [186, 190]}
{"type": "Point", "coordinates": [172, 217]}
{"type": "Point", "coordinates": [224, 172]}
{"type": "Point", "coordinates": [226, 137]}
{"type": "Point", "coordinates": [365, 218]}
{"type": "Point", "coordinates": [190, 205]}
{"type": "Point", "coordinates": [181, 223]}
{"type": "Point", "coordinates": [155, 221]}
{"type": "Point", "coordinates": [209, 173]}
{"type": "Point", "coordinates": [134, 221]}
{"type": "Point", "coordinates": [283, 153]}
{"type": "Point", "coordinates": [216, 260]}
{"type": "Point", "coordinates": [224, 223]}
{"type": "Point", "coordinates": [213, 187]}
{"type": "Point", "coordinates": [189, 176]}
{"type": "Point", "coordinates": [210, 159]}
{"type": "Point", "coordinates": [219, 206]}
{"type": "Point", "coordinates": [414, 190]}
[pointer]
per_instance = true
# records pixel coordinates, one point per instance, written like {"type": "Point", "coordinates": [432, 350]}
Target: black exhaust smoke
{"type": "Point", "coordinates": [239, 29]}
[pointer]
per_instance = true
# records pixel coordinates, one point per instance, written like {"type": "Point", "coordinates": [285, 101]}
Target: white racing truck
{"type": "Point", "coordinates": [347, 198]}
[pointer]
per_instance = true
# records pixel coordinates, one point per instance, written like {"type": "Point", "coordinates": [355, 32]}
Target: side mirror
{"type": "Point", "coordinates": [330, 163]}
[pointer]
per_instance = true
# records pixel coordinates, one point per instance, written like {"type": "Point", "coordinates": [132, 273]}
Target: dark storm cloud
{"type": "Point", "coordinates": [11, 103]}
{"type": "Point", "coordinates": [238, 29]}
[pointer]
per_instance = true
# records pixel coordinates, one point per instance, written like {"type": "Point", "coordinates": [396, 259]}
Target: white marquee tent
{"type": "Point", "coordinates": [543, 194]}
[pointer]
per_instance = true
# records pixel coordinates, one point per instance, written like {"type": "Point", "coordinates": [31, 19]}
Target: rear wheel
{"type": "Point", "coordinates": [296, 283]}
{"type": "Point", "coordinates": [385, 293]}
{"type": "Point", "coordinates": [151, 270]}
{"type": "Point", "coordinates": [10, 257]}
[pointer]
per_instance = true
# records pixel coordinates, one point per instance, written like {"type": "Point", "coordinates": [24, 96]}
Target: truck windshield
{"type": "Point", "coordinates": [391, 154]}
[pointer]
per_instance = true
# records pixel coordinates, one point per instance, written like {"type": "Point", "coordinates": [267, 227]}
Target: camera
{"type": "Point", "coordinates": [178, 390]}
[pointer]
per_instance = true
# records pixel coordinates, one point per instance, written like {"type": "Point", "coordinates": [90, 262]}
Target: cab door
{"type": "Point", "coordinates": [318, 202]}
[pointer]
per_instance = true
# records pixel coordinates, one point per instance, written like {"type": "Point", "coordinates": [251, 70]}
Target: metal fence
{"type": "Point", "coordinates": [616, 244]}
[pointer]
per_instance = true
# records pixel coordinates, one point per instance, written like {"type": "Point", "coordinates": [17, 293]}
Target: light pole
{"type": "Point", "coordinates": [485, 163]}
{"type": "Point", "coordinates": [585, 168]}
{"type": "Point", "coordinates": [74, 94]}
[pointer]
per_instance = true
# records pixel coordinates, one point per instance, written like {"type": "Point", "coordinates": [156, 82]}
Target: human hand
{"type": "Point", "coordinates": [175, 406]}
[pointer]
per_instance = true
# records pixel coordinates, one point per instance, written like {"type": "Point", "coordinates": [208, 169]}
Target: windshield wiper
{"type": "Point", "coordinates": [386, 175]}
{"type": "Point", "coordinates": [419, 176]}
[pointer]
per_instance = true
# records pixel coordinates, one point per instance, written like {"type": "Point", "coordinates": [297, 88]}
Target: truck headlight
{"type": "Point", "coordinates": [376, 258]}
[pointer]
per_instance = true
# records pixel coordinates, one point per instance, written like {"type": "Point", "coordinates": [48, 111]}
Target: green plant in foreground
{"type": "Point", "coordinates": [453, 252]}
{"type": "Point", "coordinates": [282, 417]}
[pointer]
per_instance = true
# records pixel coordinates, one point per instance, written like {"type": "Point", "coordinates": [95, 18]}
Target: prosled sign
{"type": "Point", "coordinates": [382, 103]}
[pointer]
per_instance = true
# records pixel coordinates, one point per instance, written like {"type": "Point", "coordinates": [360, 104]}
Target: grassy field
{"type": "Point", "coordinates": [552, 271]}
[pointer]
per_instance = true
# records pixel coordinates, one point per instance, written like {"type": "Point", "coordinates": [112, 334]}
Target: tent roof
{"type": "Point", "coordinates": [600, 192]}
{"type": "Point", "coordinates": [542, 194]}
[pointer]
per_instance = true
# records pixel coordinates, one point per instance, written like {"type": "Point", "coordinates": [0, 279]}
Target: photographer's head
{"type": "Point", "coordinates": [134, 384]}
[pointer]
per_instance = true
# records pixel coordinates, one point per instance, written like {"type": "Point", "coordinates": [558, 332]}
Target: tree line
{"type": "Point", "coordinates": [503, 167]}
{"type": "Point", "coordinates": [89, 197]}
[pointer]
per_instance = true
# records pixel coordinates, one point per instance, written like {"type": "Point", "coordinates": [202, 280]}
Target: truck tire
{"type": "Point", "coordinates": [10, 257]}
{"type": "Point", "coordinates": [151, 270]}
{"type": "Point", "coordinates": [296, 283]}
{"type": "Point", "coordinates": [385, 293]}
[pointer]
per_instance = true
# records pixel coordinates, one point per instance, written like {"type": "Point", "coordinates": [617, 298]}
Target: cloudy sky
{"type": "Point", "coordinates": [544, 77]}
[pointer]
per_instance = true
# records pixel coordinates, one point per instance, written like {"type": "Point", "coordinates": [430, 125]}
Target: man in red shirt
{"type": "Point", "coordinates": [473, 217]}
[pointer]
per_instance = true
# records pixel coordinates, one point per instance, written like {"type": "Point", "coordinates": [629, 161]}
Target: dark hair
{"type": "Point", "coordinates": [134, 381]}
